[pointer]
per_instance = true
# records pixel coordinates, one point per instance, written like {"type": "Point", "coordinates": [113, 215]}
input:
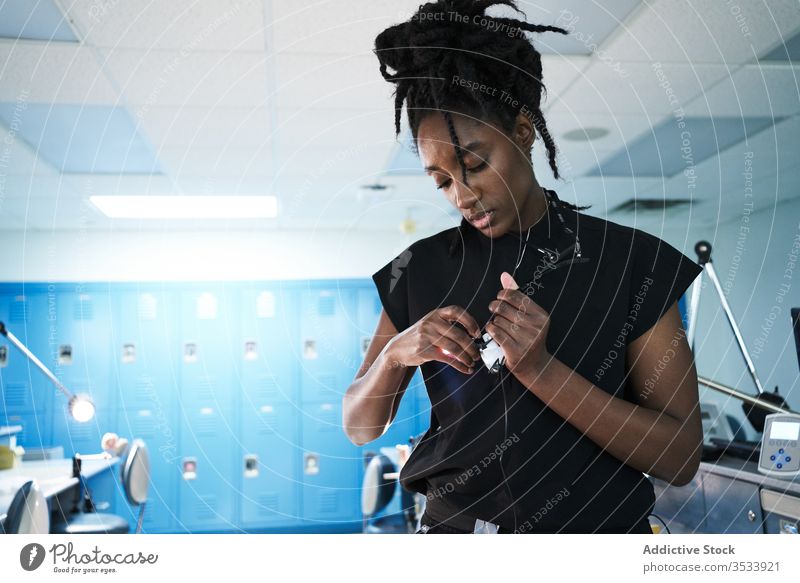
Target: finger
{"type": "Point", "coordinates": [462, 316]}
{"type": "Point", "coordinates": [453, 350]}
{"type": "Point", "coordinates": [435, 353]}
{"type": "Point", "coordinates": [518, 300]}
{"type": "Point", "coordinates": [498, 334]}
{"type": "Point", "coordinates": [503, 308]}
{"type": "Point", "coordinates": [458, 335]}
{"type": "Point", "coordinates": [508, 281]}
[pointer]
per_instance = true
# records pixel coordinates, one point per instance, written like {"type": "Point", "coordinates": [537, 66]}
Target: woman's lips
{"type": "Point", "coordinates": [483, 220]}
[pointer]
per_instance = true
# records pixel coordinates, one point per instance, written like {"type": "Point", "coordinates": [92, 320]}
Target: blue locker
{"type": "Point", "coordinates": [269, 451]}
{"type": "Point", "coordinates": [36, 427]}
{"type": "Point", "coordinates": [153, 427]}
{"type": "Point", "coordinates": [208, 332]}
{"type": "Point", "coordinates": [27, 396]}
{"type": "Point", "coordinates": [81, 352]}
{"type": "Point", "coordinates": [208, 485]}
{"type": "Point", "coordinates": [327, 347]}
{"type": "Point", "coordinates": [423, 407]}
{"type": "Point", "coordinates": [369, 311]}
{"type": "Point", "coordinates": [85, 437]}
{"type": "Point", "coordinates": [265, 362]}
{"type": "Point", "coordinates": [331, 466]}
{"type": "Point", "coordinates": [146, 352]}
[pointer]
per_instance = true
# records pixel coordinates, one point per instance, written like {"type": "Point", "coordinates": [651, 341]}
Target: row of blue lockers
{"type": "Point", "coordinates": [235, 387]}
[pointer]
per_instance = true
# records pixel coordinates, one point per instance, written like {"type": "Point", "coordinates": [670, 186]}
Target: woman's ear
{"type": "Point", "coordinates": [524, 133]}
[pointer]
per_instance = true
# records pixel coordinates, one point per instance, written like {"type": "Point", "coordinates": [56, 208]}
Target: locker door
{"type": "Point", "coordinates": [208, 331]}
{"type": "Point", "coordinates": [146, 350]}
{"type": "Point", "coordinates": [369, 311]}
{"type": "Point", "coordinates": [331, 466]}
{"type": "Point", "coordinates": [82, 346]}
{"type": "Point", "coordinates": [208, 485]}
{"type": "Point", "coordinates": [27, 396]}
{"type": "Point", "coordinates": [146, 353]}
{"type": "Point", "coordinates": [264, 358]}
{"type": "Point", "coordinates": [206, 408]}
{"type": "Point", "coordinates": [327, 345]}
{"type": "Point", "coordinates": [268, 465]}
{"type": "Point", "coordinates": [150, 426]}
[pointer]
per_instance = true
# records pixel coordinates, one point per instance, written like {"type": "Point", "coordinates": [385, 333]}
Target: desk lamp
{"type": "Point", "coordinates": [80, 406]}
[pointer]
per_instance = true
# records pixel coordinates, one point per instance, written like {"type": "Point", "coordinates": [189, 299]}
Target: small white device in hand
{"type": "Point", "coordinates": [491, 352]}
{"type": "Point", "coordinates": [780, 446]}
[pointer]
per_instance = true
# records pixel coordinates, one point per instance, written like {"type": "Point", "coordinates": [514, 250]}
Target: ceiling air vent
{"type": "Point", "coordinates": [642, 205]}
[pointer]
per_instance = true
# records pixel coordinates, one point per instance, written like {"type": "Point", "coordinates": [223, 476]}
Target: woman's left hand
{"type": "Point", "coordinates": [520, 327]}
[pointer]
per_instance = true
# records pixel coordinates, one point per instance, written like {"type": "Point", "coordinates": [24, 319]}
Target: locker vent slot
{"type": "Point", "coordinates": [326, 305]}
{"type": "Point", "coordinates": [83, 308]}
{"type": "Point", "coordinates": [328, 502]}
{"type": "Point", "coordinates": [268, 504]}
{"type": "Point", "coordinates": [19, 310]}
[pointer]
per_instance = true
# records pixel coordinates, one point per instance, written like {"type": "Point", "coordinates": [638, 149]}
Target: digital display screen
{"type": "Point", "coordinates": [785, 430]}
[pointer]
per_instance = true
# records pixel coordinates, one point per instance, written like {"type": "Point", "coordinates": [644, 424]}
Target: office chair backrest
{"type": "Point", "coordinates": [136, 473]}
{"type": "Point", "coordinates": [376, 490]}
{"type": "Point", "coordinates": [28, 513]}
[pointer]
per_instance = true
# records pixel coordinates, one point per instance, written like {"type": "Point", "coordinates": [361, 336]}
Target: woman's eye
{"type": "Point", "coordinates": [477, 168]}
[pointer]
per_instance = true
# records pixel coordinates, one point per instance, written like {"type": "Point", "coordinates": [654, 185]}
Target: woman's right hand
{"type": "Point", "coordinates": [442, 334]}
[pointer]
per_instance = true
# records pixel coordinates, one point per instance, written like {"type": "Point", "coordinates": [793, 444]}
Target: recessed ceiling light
{"type": "Point", "coordinates": [186, 207]}
{"type": "Point", "coordinates": [585, 134]}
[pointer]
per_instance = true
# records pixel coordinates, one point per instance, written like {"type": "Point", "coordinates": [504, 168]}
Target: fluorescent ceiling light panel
{"type": "Point", "coordinates": [186, 207]}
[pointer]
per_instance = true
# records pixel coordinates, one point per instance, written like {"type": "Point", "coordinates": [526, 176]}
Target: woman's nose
{"type": "Point", "coordinates": [466, 198]}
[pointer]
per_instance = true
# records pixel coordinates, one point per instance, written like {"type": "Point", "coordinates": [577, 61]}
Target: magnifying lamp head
{"type": "Point", "coordinates": [81, 408]}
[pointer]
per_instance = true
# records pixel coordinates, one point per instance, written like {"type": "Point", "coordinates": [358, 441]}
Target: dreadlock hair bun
{"type": "Point", "coordinates": [447, 47]}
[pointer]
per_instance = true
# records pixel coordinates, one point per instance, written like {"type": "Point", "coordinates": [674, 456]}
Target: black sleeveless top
{"type": "Point", "coordinates": [551, 477]}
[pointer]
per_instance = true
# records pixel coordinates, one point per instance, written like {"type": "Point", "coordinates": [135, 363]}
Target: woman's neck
{"type": "Point", "coordinates": [535, 209]}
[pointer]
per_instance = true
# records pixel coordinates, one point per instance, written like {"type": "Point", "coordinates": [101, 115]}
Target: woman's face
{"type": "Point", "coordinates": [498, 197]}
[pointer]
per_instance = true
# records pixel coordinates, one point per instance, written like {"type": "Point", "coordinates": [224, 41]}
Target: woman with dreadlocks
{"type": "Point", "coordinates": [550, 341]}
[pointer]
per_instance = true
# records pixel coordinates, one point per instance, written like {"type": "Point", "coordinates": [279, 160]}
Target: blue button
{"type": "Point", "coordinates": [772, 458]}
{"type": "Point", "coordinates": [780, 466]}
{"type": "Point", "coordinates": [780, 450]}
{"type": "Point", "coordinates": [788, 459]}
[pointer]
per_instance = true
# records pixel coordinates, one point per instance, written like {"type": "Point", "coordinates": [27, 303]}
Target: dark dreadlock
{"type": "Point", "coordinates": [455, 37]}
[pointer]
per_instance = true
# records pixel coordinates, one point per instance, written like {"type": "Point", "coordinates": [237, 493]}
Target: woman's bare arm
{"type": "Point", "coordinates": [370, 402]}
{"type": "Point", "coordinates": [660, 433]}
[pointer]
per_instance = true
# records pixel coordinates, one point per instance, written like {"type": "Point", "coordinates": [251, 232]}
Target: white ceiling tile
{"type": "Point", "coordinates": [329, 27]}
{"type": "Point", "coordinates": [345, 128]}
{"type": "Point", "coordinates": [331, 82]}
{"type": "Point", "coordinates": [764, 90]}
{"type": "Point", "coordinates": [643, 90]}
{"type": "Point", "coordinates": [357, 164]}
{"type": "Point", "coordinates": [52, 72]}
{"type": "Point", "coordinates": [216, 162]}
{"type": "Point", "coordinates": [573, 159]}
{"type": "Point", "coordinates": [621, 128]}
{"type": "Point", "coordinates": [193, 79]}
{"type": "Point", "coordinates": [603, 193]}
{"type": "Point", "coordinates": [217, 25]}
{"type": "Point", "coordinates": [559, 72]}
{"type": "Point", "coordinates": [703, 31]}
{"type": "Point", "coordinates": [206, 127]}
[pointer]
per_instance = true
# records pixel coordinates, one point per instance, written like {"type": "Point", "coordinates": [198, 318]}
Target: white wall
{"type": "Point", "coordinates": [192, 256]}
{"type": "Point", "coordinates": [759, 271]}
